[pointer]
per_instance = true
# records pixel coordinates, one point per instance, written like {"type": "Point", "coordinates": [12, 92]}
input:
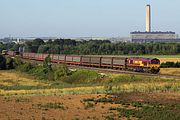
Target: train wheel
{"type": "Point", "coordinates": [153, 71]}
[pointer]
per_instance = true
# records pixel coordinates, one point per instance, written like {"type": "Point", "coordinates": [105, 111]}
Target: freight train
{"type": "Point", "coordinates": [137, 64]}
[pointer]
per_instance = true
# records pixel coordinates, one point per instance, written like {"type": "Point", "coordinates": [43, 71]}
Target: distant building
{"type": "Point", "coordinates": [144, 37]}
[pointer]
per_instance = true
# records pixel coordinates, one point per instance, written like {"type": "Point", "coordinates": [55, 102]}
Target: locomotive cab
{"type": "Point", "coordinates": [144, 65]}
{"type": "Point", "coordinates": [155, 65]}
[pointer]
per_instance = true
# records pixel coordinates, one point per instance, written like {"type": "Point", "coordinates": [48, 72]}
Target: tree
{"type": "Point", "coordinates": [43, 49]}
{"type": "Point", "coordinates": [49, 41]}
{"type": "Point", "coordinates": [37, 42]}
{"type": "Point", "coordinates": [47, 63]}
{"type": "Point", "coordinates": [15, 47]}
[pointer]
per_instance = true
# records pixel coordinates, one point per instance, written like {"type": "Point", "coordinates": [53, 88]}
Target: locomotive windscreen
{"type": "Point", "coordinates": [155, 61]}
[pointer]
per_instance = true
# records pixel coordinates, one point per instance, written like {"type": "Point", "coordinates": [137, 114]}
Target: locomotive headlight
{"type": "Point", "coordinates": [155, 66]}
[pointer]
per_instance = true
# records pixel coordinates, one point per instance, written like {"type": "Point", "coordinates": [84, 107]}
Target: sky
{"type": "Point", "coordinates": [85, 18]}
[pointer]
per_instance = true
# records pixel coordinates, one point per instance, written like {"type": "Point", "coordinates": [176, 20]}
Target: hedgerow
{"type": "Point", "coordinates": [170, 65]}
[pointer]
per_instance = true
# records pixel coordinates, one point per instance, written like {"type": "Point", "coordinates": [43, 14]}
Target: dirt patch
{"type": "Point", "coordinates": [148, 97]}
{"type": "Point", "coordinates": [72, 107]}
{"type": "Point", "coordinates": [69, 107]}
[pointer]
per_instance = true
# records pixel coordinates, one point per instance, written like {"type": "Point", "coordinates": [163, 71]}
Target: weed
{"type": "Point", "coordinates": [137, 104]}
{"type": "Point", "coordinates": [50, 106]}
{"type": "Point", "coordinates": [150, 111]}
{"type": "Point", "coordinates": [75, 118]}
{"type": "Point", "coordinates": [22, 100]}
{"type": "Point", "coordinates": [110, 117]}
{"type": "Point", "coordinates": [89, 105]}
{"type": "Point", "coordinates": [88, 100]}
{"type": "Point", "coordinates": [7, 99]}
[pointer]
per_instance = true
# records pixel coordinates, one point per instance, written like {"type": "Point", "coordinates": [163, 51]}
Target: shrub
{"type": "Point", "coordinates": [84, 77]}
{"type": "Point", "coordinates": [47, 62]}
{"type": "Point", "coordinates": [170, 65]}
{"type": "Point", "coordinates": [60, 70]}
{"type": "Point", "coordinates": [2, 62]}
{"type": "Point", "coordinates": [40, 72]}
{"type": "Point", "coordinates": [10, 63]}
{"type": "Point", "coordinates": [89, 105]}
{"type": "Point", "coordinates": [17, 62]}
{"type": "Point", "coordinates": [25, 67]}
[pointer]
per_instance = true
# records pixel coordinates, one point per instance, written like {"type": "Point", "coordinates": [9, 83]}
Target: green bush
{"type": "Point", "coordinates": [170, 65]}
{"type": "Point", "coordinates": [2, 62]}
{"type": "Point", "coordinates": [25, 67]}
{"type": "Point", "coordinates": [61, 71]}
{"type": "Point", "coordinates": [17, 62]}
{"type": "Point", "coordinates": [84, 77]}
{"type": "Point", "coordinates": [39, 72]}
{"type": "Point", "coordinates": [10, 63]}
{"type": "Point", "coordinates": [126, 79]}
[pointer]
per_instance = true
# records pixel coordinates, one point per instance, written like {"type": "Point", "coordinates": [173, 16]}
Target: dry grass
{"type": "Point", "coordinates": [46, 92]}
{"type": "Point", "coordinates": [169, 60]}
{"type": "Point", "coordinates": [170, 71]}
{"type": "Point", "coordinates": [11, 78]}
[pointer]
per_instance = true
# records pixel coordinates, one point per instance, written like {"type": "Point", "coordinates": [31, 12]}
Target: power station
{"type": "Point", "coordinates": [152, 36]}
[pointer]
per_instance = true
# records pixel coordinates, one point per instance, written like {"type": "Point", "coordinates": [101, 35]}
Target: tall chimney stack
{"type": "Point", "coordinates": [148, 18]}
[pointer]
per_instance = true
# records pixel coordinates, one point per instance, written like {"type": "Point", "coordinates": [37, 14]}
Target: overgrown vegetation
{"type": "Point", "coordinates": [22, 84]}
{"type": "Point", "coordinates": [147, 110]}
{"type": "Point", "coordinates": [151, 112]}
{"type": "Point", "coordinates": [59, 72]}
{"type": "Point", "coordinates": [9, 63]}
{"type": "Point", "coordinates": [84, 77]}
{"type": "Point", "coordinates": [170, 65]}
{"type": "Point", "coordinates": [88, 105]}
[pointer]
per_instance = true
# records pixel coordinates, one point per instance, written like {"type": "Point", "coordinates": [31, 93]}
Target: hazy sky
{"type": "Point", "coordinates": [81, 18]}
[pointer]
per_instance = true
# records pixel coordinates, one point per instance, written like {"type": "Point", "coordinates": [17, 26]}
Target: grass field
{"type": "Point", "coordinates": [15, 83]}
{"type": "Point", "coordinates": [104, 97]}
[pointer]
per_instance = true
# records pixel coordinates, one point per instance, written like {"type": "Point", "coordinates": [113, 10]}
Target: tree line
{"type": "Point", "coordinates": [93, 47]}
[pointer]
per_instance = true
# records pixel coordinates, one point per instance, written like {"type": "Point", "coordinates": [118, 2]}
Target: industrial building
{"type": "Point", "coordinates": [150, 36]}
{"type": "Point", "coordinates": [145, 37]}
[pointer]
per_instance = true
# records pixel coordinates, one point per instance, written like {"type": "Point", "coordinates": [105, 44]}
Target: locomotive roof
{"type": "Point", "coordinates": [143, 59]}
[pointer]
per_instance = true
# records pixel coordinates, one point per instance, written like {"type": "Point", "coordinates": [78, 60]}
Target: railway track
{"type": "Point", "coordinates": [106, 70]}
